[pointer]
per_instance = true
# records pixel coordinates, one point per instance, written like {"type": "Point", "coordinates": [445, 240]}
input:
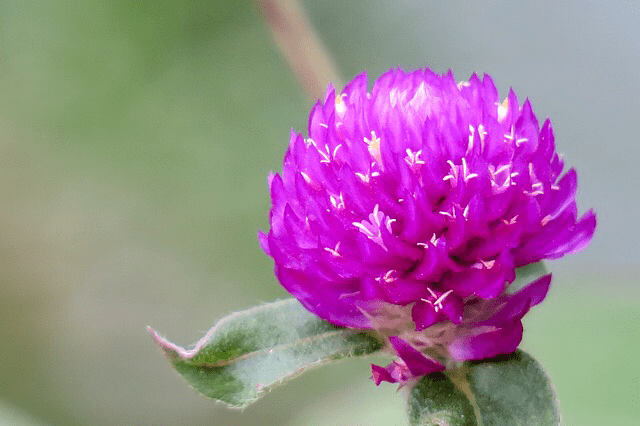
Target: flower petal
{"type": "Point", "coordinates": [417, 363]}
{"type": "Point", "coordinates": [498, 341]}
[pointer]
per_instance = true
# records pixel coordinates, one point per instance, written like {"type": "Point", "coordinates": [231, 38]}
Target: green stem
{"type": "Point", "coordinates": [459, 379]}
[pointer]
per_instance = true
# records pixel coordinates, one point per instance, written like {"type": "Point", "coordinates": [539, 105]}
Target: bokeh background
{"type": "Point", "coordinates": [135, 141]}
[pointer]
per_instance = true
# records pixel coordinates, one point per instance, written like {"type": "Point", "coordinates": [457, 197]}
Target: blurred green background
{"type": "Point", "coordinates": [135, 141]}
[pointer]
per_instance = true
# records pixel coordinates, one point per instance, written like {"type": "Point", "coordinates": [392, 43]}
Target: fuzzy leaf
{"type": "Point", "coordinates": [247, 353]}
{"type": "Point", "coordinates": [510, 390]}
{"type": "Point", "coordinates": [435, 401]}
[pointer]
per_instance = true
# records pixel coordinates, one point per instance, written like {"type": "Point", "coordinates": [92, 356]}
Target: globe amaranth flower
{"type": "Point", "coordinates": [407, 210]}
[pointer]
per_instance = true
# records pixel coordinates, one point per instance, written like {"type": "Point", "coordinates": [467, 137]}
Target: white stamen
{"type": "Point", "coordinates": [438, 302]}
{"type": "Point", "coordinates": [363, 229]}
{"type": "Point", "coordinates": [306, 177]}
{"type": "Point", "coordinates": [510, 221]}
{"type": "Point", "coordinates": [502, 169]}
{"type": "Point", "coordinates": [482, 133]}
{"type": "Point", "coordinates": [388, 223]}
{"type": "Point", "coordinates": [334, 251]}
{"type": "Point", "coordinates": [511, 136]}
{"type": "Point", "coordinates": [503, 109]}
{"type": "Point", "coordinates": [470, 176]}
{"type": "Point", "coordinates": [345, 295]}
{"type": "Point", "coordinates": [465, 171]}
{"type": "Point", "coordinates": [453, 176]}
{"type": "Point", "coordinates": [363, 178]}
{"type": "Point", "coordinates": [326, 126]}
{"type": "Point", "coordinates": [484, 264]}
{"type": "Point", "coordinates": [452, 215]}
{"type": "Point", "coordinates": [373, 146]}
{"type": "Point", "coordinates": [336, 150]}
{"type": "Point", "coordinates": [413, 158]}
{"type": "Point", "coordinates": [388, 277]}
{"type": "Point", "coordinates": [488, 264]}
{"type": "Point", "coordinates": [376, 217]}
{"type": "Point", "coordinates": [433, 294]}
{"type": "Point", "coordinates": [325, 156]}
{"type": "Point", "coordinates": [337, 202]}
{"type": "Point", "coordinates": [545, 220]}
{"type": "Point", "coordinates": [341, 107]}
{"type": "Point", "coordinates": [371, 228]}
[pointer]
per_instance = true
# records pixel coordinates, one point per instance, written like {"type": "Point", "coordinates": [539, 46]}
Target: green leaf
{"type": "Point", "coordinates": [527, 274]}
{"type": "Point", "coordinates": [510, 390]}
{"type": "Point", "coordinates": [247, 353]}
{"type": "Point", "coordinates": [435, 400]}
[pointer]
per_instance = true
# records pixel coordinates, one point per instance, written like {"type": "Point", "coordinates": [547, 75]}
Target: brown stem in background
{"type": "Point", "coordinates": [300, 45]}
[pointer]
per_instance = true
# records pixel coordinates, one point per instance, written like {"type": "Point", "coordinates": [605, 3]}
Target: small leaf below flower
{"type": "Point", "coordinates": [510, 390]}
{"type": "Point", "coordinates": [249, 352]}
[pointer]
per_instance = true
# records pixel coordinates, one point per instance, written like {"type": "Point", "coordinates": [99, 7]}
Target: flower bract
{"type": "Point", "coordinates": [408, 208]}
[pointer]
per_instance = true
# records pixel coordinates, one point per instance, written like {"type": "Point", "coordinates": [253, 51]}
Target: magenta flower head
{"type": "Point", "coordinates": [407, 210]}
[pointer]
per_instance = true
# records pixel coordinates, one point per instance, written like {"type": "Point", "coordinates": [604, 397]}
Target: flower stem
{"type": "Point", "coordinates": [300, 45]}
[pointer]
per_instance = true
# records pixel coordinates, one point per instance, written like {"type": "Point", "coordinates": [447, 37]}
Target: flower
{"type": "Point", "coordinates": [408, 209]}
